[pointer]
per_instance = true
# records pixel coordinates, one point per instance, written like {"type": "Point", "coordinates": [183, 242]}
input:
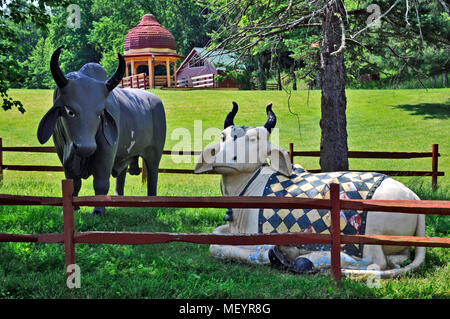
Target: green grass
{"type": "Point", "coordinates": [379, 120]}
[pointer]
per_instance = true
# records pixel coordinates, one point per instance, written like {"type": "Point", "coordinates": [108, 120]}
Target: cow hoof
{"type": "Point", "coordinates": [98, 211]}
{"type": "Point", "coordinates": [229, 215]}
{"type": "Point", "coordinates": [302, 264]}
{"type": "Point", "coordinates": [274, 261]}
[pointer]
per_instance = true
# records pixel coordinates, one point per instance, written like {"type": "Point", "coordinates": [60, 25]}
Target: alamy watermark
{"type": "Point", "coordinates": [74, 17]}
{"type": "Point", "coordinates": [374, 280]}
{"type": "Point", "coordinates": [74, 276]}
{"type": "Point", "coordinates": [374, 21]}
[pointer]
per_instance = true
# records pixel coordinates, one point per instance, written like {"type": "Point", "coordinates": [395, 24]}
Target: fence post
{"type": "Point", "coordinates": [1, 160]}
{"type": "Point", "coordinates": [69, 245]}
{"type": "Point", "coordinates": [335, 233]}
{"type": "Point", "coordinates": [291, 152]}
{"type": "Point", "coordinates": [434, 174]}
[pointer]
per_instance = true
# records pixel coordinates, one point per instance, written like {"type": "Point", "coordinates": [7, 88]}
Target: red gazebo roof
{"type": "Point", "coordinates": [149, 34]}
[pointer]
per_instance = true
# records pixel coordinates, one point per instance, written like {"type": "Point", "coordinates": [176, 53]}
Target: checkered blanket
{"type": "Point", "coordinates": [354, 185]}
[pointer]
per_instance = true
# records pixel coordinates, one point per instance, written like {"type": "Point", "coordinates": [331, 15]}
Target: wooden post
{"type": "Point", "coordinates": [1, 159]}
{"type": "Point", "coordinates": [150, 72]}
{"type": "Point", "coordinates": [434, 175]}
{"type": "Point", "coordinates": [335, 233]}
{"type": "Point", "coordinates": [175, 74]}
{"type": "Point", "coordinates": [168, 72]}
{"type": "Point", "coordinates": [69, 245]}
{"type": "Point", "coordinates": [291, 152]}
{"type": "Point", "coordinates": [132, 68]}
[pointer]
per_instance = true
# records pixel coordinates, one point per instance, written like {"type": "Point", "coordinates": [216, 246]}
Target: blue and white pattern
{"type": "Point", "coordinates": [302, 184]}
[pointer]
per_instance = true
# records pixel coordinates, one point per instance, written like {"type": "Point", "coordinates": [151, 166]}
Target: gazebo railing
{"type": "Point", "coordinates": [142, 81]}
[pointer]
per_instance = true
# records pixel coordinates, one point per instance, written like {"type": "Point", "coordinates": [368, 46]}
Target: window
{"type": "Point", "coordinates": [196, 61]}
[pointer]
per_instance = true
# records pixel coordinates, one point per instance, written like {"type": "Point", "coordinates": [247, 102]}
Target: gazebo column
{"type": "Point", "coordinates": [175, 74]}
{"type": "Point", "coordinates": [126, 69]}
{"type": "Point", "coordinates": [132, 67]}
{"type": "Point", "coordinates": [168, 73]}
{"type": "Point", "coordinates": [150, 72]}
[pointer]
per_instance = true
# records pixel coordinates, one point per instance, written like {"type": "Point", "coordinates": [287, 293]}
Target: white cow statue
{"type": "Point", "coordinates": [251, 166]}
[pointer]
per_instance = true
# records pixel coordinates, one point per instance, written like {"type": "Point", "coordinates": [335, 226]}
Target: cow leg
{"type": "Point", "coordinates": [120, 183]}
{"type": "Point", "coordinates": [101, 187]}
{"type": "Point", "coordinates": [76, 189]}
{"type": "Point", "coordinates": [375, 254]}
{"type": "Point", "coordinates": [152, 159]}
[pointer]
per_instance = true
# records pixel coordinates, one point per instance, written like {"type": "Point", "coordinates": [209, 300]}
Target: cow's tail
{"type": "Point", "coordinates": [419, 258]}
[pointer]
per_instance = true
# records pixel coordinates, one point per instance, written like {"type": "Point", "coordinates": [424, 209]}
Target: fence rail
{"type": "Point", "coordinates": [137, 81]}
{"type": "Point", "coordinates": [201, 81]}
{"type": "Point", "coordinates": [70, 238]}
{"type": "Point", "coordinates": [434, 155]}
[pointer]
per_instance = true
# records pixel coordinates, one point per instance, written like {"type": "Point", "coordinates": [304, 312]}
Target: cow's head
{"type": "Point", "coordinates": [244, 149]}
{"type": "Point", "coordinates": [79, 101]}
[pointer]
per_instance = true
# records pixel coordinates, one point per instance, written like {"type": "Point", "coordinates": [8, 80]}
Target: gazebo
{"type": "Point", "coordinates": [150, 55]}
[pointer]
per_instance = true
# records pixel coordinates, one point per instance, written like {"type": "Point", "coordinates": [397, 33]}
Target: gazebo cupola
{"type": "Point", "coordinates": [151, 49]}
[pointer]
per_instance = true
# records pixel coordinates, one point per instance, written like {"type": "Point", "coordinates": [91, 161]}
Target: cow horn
{"type": "Point", "coordinates": [230, 117]}
{"type": "Point", "coordinates": [115, 79]}
{"type": "Point", "coordinates": [271, 118]}
{"type": "Point", "coordinates": [57, 74]}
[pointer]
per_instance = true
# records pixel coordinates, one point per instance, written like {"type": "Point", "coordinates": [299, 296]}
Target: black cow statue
{"type": "Point", "coordinates": [100, 130]}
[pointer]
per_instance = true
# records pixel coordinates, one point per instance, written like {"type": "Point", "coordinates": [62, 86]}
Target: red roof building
{"type": "Point", "coordinates": [147, 46]}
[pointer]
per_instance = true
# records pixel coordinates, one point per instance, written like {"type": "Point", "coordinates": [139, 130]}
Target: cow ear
{"type": "Point", "coordinates": [109, 127]}
{"type": "Point", "coordinates": [47, 124]}
{"type": "Point", "coordinates": [280, 161]}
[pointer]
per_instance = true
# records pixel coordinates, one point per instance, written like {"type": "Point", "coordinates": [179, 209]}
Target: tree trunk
{"type": "Point", "coordinates": [318, 80]}
{"type": "Point", "coordinates": [444, 79]}
{"type": "Point", "coordinates": [294, 78]}
{"type": "Point", "coordinates": [261, 75]}
{"type": "Point", "coordinates": [333, 146]}
{"type": "Point", "coordinates": [279, 87]}
{"type": "Point", "coordinates": [435, 80]}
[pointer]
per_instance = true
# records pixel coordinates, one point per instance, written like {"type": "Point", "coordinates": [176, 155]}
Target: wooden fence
{"type": "Point", "coordinates": [142, 81]}
{"type": "Point", "coordinates": [200, 81]}
{"type": "Point", "coordinates": [203, 81]}
{"type": "Point", "coordinates": [70, 238]}
{"type": "Point", "coordinates": [137, 81]}
{"type": "Point", "coordinates": [434, 155]}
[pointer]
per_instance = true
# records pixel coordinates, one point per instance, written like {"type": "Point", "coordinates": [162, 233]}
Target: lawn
{"type": "Point", "coordinates": [378, 120]}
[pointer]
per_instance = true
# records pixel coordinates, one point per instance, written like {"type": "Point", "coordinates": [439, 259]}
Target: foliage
{"type": "Point", "coordinates": [39, 76]}
{"type": "Point", "coordinates": [408, 43]}
{"type": "Point", "coordinates": [16, 14]}
{"type": "Point", "coordinates": [243, 77]}
{"type": "Point", "coordinates": [104, 25]}
{"type": "Point", "coordinates": [419, 28]}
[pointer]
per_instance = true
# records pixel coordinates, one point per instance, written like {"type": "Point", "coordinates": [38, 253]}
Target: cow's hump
{"type": "Point", "coordinates": [95, 71]}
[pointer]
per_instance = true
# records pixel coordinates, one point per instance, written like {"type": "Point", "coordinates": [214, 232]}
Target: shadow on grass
{"type": "Point", "coordinates": [429, 111]}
